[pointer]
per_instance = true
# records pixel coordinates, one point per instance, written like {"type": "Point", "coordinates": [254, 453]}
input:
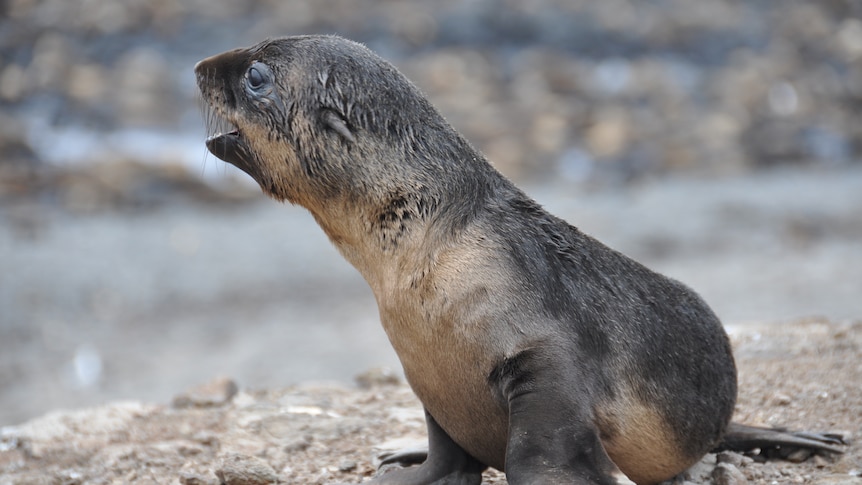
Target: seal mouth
{"type": "Point", "coordinates": [227, 142]}
{"type": "Point", "coordinates": [219, 129]}
{"type": "Point", "coordinates": [222, 145]}
{"type": "Point", "coordinates": [232, 148]}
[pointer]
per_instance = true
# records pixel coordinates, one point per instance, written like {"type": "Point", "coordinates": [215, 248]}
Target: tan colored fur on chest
{"type": "Point", "coordinates": [444, 334]}
{"type": "Point", "coordinates": [448, 372]}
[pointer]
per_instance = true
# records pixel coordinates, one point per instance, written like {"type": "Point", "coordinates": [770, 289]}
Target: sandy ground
{"type": "Point", "coordinates": [804, 375]}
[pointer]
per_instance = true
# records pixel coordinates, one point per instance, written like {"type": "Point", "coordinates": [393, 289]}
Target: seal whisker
{"type": "Point", "coordinates": [206, 113]}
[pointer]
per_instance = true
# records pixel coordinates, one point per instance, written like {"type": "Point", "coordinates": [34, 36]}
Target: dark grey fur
{"type": "Point", "coordinates": [535, 348]}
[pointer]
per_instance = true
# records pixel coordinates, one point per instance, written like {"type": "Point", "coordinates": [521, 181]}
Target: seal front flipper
{"type": "Point", "coordinates": [446, 463]}
{"type": "Point", "coordinates": [779, 443]}
{"type": "Point", "coordinates": [552, 437]}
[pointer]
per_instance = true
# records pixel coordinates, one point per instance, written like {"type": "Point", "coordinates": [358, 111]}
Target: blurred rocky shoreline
{"type": "Point", "coordinates": [594, 93]}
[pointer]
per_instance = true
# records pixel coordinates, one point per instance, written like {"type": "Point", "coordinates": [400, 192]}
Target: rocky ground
{"type": "Point", "coordinates": [803, 375]}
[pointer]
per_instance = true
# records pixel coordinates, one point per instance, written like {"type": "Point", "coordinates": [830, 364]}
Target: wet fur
{"type": "Point", "coordinates": [505, 317]}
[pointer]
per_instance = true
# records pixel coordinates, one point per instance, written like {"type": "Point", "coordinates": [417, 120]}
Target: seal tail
{"type": "Point", "coordinates": [779, 443]}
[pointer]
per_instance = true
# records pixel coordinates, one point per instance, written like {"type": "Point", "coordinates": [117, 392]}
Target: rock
{"type": "Point", "coordinates": [214, 393]}
{"type": "Point", "coordinates": [731, 458]}
{"type": "Point", "coordinates": [13, 83]}
{"type": "Point", "coordinates": [609, 136]}
{"type": "Point", "coordinates": [819, 461]}
{"type": "Point", "coordinates": [378, 376]}
{"type": "Point", "coordinates": [298, 444]}
{"type": "Point", "coordinates": [87, 82]}
{"type": "Point", "coordinates": [702, 470]}
{"type": "Point", "coordinates": [798, 456]}
{"type": "Point", "coordinates": [727, 474]}
{"type": "Point", "coordinates": [780, 399]}
{"type": "Point", "coordinates": [239, 469]}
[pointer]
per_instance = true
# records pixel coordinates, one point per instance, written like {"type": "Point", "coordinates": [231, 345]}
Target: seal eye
{"type": "Point", "coordinates": [258, 79]}
{"type": "Point", "coordinates": [255, 77]}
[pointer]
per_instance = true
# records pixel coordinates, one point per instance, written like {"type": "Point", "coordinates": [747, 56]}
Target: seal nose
{"type": "Point", "coordinates": [206, 65]}
{"type": "Point", "coordinates": [206, 68]}
{"type": "Point", "coordinates": [233, 60]}
{"type": "Point", "coordinates": [226, 67]}
{"type": "Point", "coordinates": [203, 72]}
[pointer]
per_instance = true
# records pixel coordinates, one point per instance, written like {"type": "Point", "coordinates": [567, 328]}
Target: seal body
{"type": "Point", "coordinates": [534, 348]}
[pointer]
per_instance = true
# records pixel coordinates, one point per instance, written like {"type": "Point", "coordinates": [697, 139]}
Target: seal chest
{"type": "Point", "coordinates": [444, 331]}
{"type": "Point", "coordinates": [533, 347]}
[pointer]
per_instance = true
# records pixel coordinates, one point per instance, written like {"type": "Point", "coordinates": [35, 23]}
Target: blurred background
{"type": "Point", "coordinates": [718, 141]}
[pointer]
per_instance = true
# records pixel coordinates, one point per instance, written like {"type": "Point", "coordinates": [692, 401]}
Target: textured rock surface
{"type": "Point", "coordinates": [313, 435]}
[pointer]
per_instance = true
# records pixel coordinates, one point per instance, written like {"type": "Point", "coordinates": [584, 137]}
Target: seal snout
{"type": "Point", "coordinates": [205, 73]}
{"type": "Point", "coordinates": [226, 63]}
{"type": "Point", "coordinates": [215, 76]}
{"type": "Point", "coordinates": [226, 141]}
{"type": "Point", "coordinates": [219, 127]}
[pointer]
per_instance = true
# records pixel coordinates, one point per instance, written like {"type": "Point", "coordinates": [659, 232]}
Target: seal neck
{"type": "Point", "coordinates": [394, 240]}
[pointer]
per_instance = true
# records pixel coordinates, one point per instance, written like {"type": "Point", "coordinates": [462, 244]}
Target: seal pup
{"type": "Point", "coordinates": [534, 348]}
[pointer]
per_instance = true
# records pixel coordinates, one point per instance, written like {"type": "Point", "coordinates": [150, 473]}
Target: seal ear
{"type": "Point", "coordinates": [338, 124]}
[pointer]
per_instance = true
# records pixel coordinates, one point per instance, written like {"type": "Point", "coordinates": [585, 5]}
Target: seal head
{"type": "Point", "coordinates": [312, 117]}
{"type": "Point", "coordinates": [242, 102]}
{"type": "Point", "coordinates": [257, 86]}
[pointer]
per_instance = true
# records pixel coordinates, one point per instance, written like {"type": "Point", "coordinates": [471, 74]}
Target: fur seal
{"type": "Point", "coordinates": [534, 348]}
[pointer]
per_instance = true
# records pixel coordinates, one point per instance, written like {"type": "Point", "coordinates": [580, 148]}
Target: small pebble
{"type": "Point", "coordinates": [798, 456]}
{"type": "Point", "coordinates": [378, 376]}
{"type": "Point", "coordinates": [299, 444]}
{"type": "Point", "coordinates": [214, 393]}
{"type": "Point", "coordinates": [702, 470]}
{"type": "Point", "coordinates": [239, 469]}
{"type": "Point", "coordinates": [734, 459]}
{"type": "Point", "coordinates": [206, 438]}
{"type": "Point", "coordinates": [727, 474]}
{"type": "Point", "coordinates": [779, 399]}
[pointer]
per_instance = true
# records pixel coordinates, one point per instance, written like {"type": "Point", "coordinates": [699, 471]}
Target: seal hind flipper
{"type": "Point", "coordinates": [779, 443]}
